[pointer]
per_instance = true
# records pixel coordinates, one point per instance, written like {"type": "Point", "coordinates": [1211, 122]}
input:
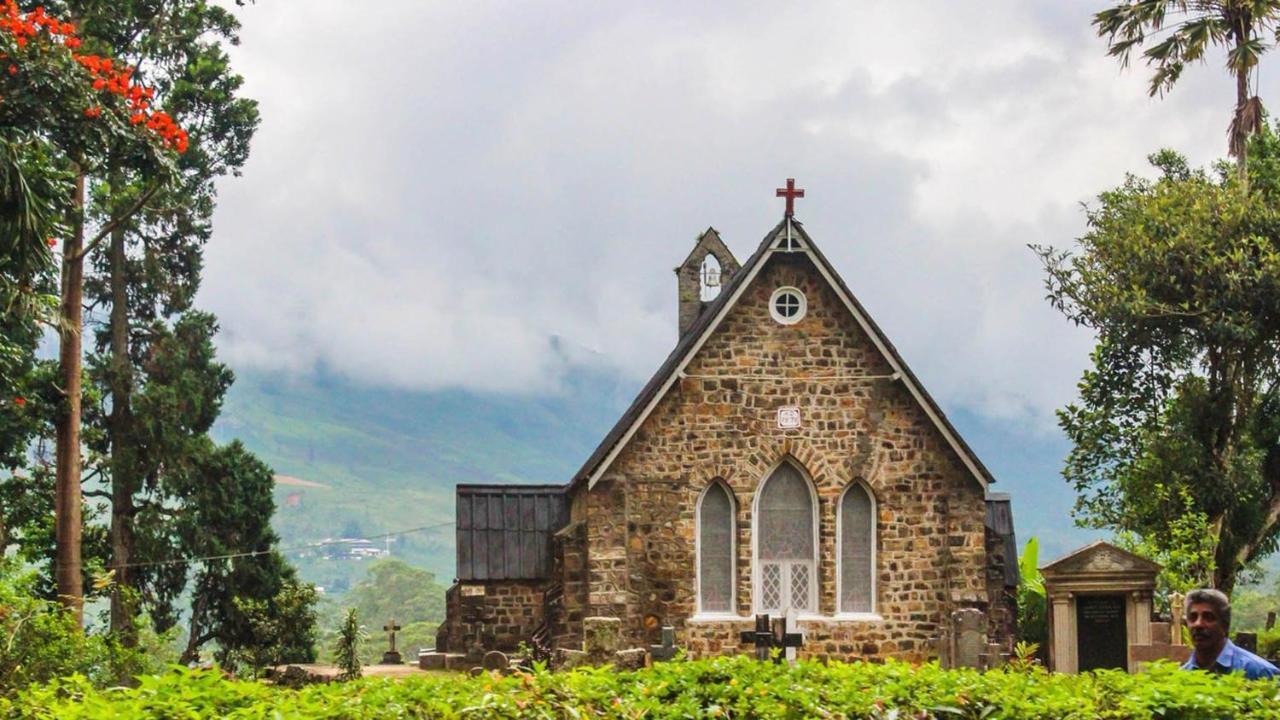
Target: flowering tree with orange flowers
{"type": "Point", "coordinates": [78, 112]}
{"type": "Point", "coordinates": [153, 384]}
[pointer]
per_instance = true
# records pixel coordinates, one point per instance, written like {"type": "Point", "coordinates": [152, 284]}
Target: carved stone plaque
{"type": "Point", "coordinates": [789, 417]}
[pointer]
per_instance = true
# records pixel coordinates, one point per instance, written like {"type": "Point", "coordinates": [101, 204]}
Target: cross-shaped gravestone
{"type": "Point", "coordinates": [667, 649]}
{"type": "Point", "coordinates": [788, 630]}
{"type": "Point", "coordinates": [391, 656]}
{"type": "Point", "coordinates": [790, 192]}
{"type": "Point", "coordinates": [765, 637]}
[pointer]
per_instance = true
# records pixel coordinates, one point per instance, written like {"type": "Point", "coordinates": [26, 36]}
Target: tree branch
{"type": "Point", "coordinates": [1269, 526]}
{"type": "Point", "coordinates": [118, 221]}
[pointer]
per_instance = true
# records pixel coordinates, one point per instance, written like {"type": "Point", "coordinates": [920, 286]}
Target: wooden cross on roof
{"type": "Point", "coordinates": [790, 192]}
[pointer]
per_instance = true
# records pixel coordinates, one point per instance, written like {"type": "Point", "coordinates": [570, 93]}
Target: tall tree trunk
{"type": "Point", "coordinates": [124, 467]}
{"type": "Point", "coordinates": [67, 511]}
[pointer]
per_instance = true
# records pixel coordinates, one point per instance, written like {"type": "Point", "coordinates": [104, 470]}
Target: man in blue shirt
{"type": "Point", "coordinates": [1208, 614]}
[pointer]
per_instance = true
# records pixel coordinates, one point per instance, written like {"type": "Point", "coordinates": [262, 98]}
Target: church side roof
{"type": "Point", "coordinates": [689, 344]}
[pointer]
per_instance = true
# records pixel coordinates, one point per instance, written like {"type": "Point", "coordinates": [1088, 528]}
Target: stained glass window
{"type": "Point", "coordinates": [715, 550]}
{"type": "Point", "coordinates": [786, 542]}
{"type": "Point", "coordinates": [855, 550]}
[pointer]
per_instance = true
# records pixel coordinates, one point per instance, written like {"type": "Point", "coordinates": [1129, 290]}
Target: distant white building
{"type": "Point", "coordinates": [351, 549]}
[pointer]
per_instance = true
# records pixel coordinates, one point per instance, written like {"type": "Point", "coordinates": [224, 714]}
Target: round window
{"type": "Point", "coordinates": [787, 305]}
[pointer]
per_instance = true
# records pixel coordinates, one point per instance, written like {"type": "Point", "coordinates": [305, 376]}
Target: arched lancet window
{"type": "Point", "coordinates": [857, 550]}
{"type": "Point", "coordinates": [786, 574]}
{"type": "Point", "coordinates": [715, 550]}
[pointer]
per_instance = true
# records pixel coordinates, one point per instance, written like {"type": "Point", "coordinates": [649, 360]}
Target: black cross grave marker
{"type": "Point", "coordinates": [768, 635]}
{"type": "Point", "coordinates": [667, 649]}
{"type": "Point", "coordinates": [391, 656]}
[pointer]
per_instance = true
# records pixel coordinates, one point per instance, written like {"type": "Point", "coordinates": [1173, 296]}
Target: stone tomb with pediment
{"type": "Point", "coordinates": [1100, 611]}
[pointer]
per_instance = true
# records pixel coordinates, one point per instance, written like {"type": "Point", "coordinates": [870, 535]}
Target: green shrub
{"type": "Point", "coordinates": [347, 653]}
{"type": "Point", "coordinates": [1269, 642]}
{"type": "Point", "coordinates": [39, 641]}
{"type": "Point", "coordinates": [725, 687]}
{"type": "Point", "coordinates": [1032, 609]}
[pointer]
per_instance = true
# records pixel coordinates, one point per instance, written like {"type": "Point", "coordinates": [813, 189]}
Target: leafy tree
{"type": "Point", "coordinates": [393, 589]}
{"type": "Point", "coordinates": [87, 111]}
{"type": "Point", "coordinates": [41, 641]}
{"type": "Point", "coordinates": [159, 385]}
{"type": "Point", "coordinates": [283, 628]}
{"type": "Point", "coordinates": [227, 518]}
{"type": "Point", "coordinates": [1179, 415]}
{"type": "Point", "coordinates": [148, 271]}
{"type": "Point", "coordinates": [1186, 29]}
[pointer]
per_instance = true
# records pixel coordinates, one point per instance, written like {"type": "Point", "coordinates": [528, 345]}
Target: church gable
{"type": "Point", "coordinates": [760, 290]}
{"type": "Point", "coordinates": [796, 425]}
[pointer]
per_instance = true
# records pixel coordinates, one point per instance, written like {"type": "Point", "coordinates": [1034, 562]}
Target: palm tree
{"type": "Point", "coordinates": [1184, 29]}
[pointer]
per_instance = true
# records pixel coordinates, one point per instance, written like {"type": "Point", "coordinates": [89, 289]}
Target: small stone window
{"type": "Point", "coordinates": [715, 550]}
{"type": "Point", "coordinates": [787, 305]}
{"type": "Point", "coordinates": [857, 550]}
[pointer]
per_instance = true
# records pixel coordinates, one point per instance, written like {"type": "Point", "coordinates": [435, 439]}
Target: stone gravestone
{"type": "Point", "coordinates": [994, 657]}
{"type": "Point", "coordinates": [601, 638]}
{"type": "Point", "coordinates": [495, 660]}
{"type": "Point", "coordinates": [969, 630]}
{"type": "Point", "coordinates": [942, 646]}
{"type": "Point", "coordinates": [667, 649]}
{"type": "Point", "coordinates": [391, 656]}
{"type": "Point", "coordinates": [1247, 640]}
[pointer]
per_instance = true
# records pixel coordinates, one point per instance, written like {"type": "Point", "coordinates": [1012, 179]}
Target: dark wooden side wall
{"type": "Point", "coordinates": [504, 531]}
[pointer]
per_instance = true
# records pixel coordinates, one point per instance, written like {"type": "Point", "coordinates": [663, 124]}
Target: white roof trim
{"type": "Point", "coordinates": [866, 326]}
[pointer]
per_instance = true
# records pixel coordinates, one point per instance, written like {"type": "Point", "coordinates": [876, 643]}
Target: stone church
{"type": "Point", "coordinates": [783, 459]}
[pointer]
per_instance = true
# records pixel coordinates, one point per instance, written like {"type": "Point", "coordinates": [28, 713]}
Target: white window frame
{"type": "Point", "coordinates": [814, 579]}
{"type": "Point", "coordinates": [873, 613]}
{"type": "Point", "coordinates": [733, 553]}
{"type": "Point", "coordinates": [779, 317]}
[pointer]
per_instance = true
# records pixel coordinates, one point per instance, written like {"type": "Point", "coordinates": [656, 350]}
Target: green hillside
{"type": "Point", "coordinates": [374, 460]}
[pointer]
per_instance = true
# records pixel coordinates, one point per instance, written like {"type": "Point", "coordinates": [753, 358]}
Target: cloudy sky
{"type": "Point", "coordinates": [490, 195]}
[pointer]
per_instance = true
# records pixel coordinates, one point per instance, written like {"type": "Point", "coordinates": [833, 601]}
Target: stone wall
{"type": "Point", "coordinates": [505, 615]}
{"type": "Point", "coordinates": [720, 422]}
{"type": "Point", "coordinates": [567, 600]}
{"type": "Point", "coordinates": [1002, 613]}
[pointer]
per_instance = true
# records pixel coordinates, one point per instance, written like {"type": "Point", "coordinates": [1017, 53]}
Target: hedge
{"type": "Point", "coordinates": [722, 688]}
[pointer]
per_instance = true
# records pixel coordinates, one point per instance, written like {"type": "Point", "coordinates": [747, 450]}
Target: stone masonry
{"type": "Point", "coordinates": [504, 616]}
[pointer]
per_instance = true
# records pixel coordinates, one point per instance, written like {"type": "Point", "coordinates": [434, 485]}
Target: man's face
{"type": "Point", "coordinates": [1207, 632]}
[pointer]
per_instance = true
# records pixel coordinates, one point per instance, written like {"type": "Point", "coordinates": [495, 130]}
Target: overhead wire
{"type": "Point", "coordinates": [295, 548]}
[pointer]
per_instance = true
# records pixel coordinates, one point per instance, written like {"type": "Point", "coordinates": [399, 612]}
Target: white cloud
{"type": "Point", "coordinates": [482, 194]}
